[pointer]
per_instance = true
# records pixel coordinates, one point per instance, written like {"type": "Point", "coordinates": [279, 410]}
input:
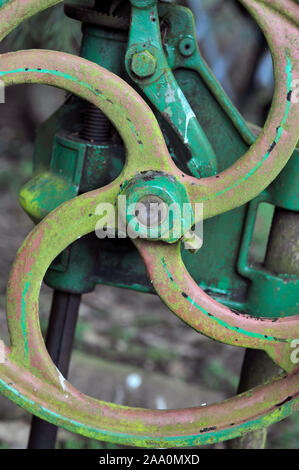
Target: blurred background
{"type": "Point", "coordinates": [129, 348]}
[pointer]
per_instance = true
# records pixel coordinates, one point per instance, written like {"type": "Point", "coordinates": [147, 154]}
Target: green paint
{"type": "Point", "coordinates": [193, 68]}
{"type": "Point", "coordinates": [57, 73]}
{"type": "Point", "coordinates": [43, 193]}
{"type": "Point", "coordinates": [144, 64]}
{"type": "Point", "coordinates": [223, 284]}
{"type": "Point", "coordinates": [169, 191]}
{"type": "Point", "coordinates": [200, 438]}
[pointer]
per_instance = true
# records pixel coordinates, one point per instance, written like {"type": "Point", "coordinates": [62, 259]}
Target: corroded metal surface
{"type": "Point", "coordinates": [283, 244]}
{"type": "Point", "coordinates": [183, 296]}
{"type": "Point", "coordinates": [273, 148]}
{"type": "Point", "coordinates": [64, 406]}
{"type": "Point", "coordinates": [28, 376]}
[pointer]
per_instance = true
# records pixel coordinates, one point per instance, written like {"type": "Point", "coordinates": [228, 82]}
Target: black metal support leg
{"type": "Point", "coordinates": [59, 342]}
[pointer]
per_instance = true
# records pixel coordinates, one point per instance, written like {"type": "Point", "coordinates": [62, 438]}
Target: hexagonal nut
{"type": "Point", "coordinates": [143, 64]}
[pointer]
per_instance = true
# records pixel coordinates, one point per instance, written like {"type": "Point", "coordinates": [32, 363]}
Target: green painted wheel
{"type": "Point", "coordinates": [28, 375]}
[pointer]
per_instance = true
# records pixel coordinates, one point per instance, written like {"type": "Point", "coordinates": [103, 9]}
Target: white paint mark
{"type": "Point", "coordinates": [134, 381]}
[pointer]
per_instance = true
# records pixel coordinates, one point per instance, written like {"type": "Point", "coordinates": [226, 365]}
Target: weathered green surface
{"type": "Point", "coordinates": [256, 369]}
{"type": "Point", "coordinates": [162, 89]}
{"type": "Point", "coordinates": [274, 280]}
{"type": "Point", "coordinates": [28, 375]}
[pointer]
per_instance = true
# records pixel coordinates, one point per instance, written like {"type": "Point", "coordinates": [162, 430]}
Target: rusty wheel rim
{"type": "Point", "coordinates": [28, 375]}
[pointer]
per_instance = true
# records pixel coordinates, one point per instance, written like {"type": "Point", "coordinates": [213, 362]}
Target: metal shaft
{"type": "Point", "coordinates": [59, 342]}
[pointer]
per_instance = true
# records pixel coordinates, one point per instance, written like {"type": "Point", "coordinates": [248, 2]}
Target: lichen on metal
{"type": "Point", "coordinates": [28, 376]}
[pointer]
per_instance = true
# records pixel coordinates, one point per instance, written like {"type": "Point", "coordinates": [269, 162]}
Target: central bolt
{"type": "Point", "coordinates": [151, 211]}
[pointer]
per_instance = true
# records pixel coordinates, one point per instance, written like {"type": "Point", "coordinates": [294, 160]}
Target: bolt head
{"type": "Point", "coordinates": [151, 211]}
{"type": "Point", "coordinates": [144, 64]}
